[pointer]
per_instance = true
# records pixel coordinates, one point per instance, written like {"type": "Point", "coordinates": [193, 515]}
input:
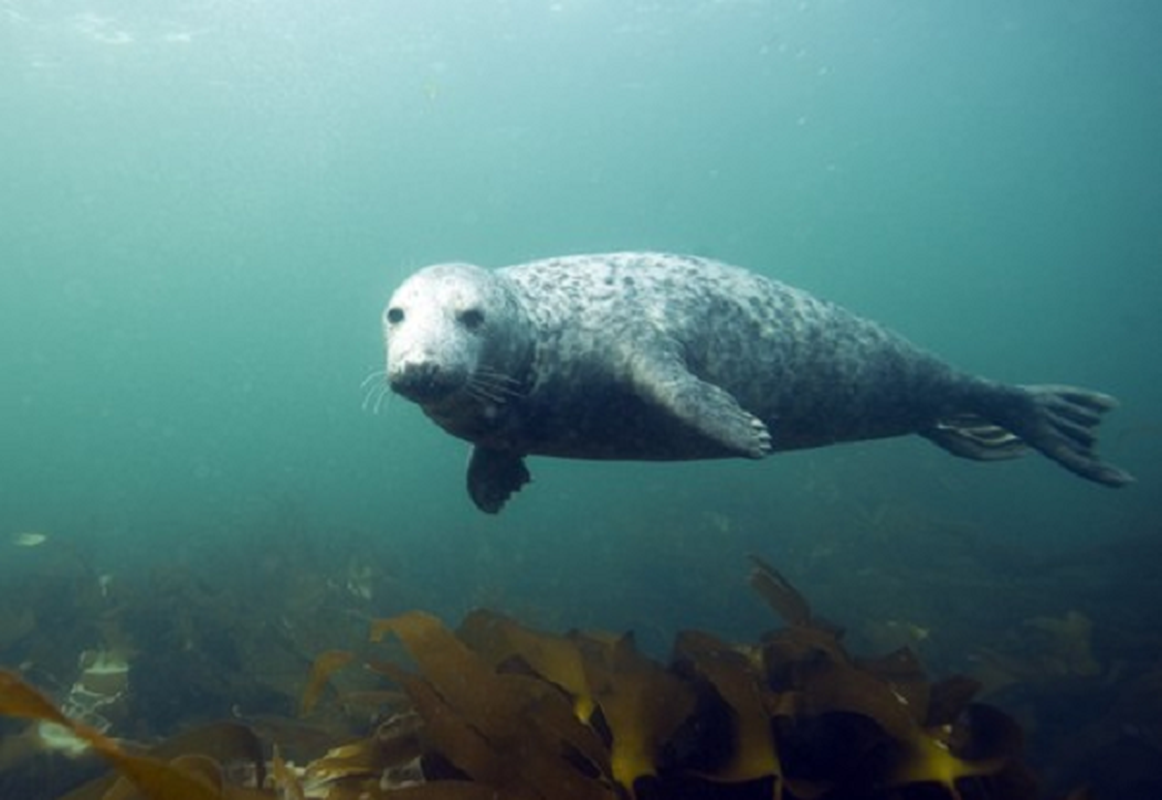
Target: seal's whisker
{"type": "Point", "coordinates": [384, 394]}
{"type": "Point", "coordinates": [368, 393]}
{"type": "Point", "coordinates": [500, 392]}
{"type": "Point", "coordinates": [374, 376]}
{"type": "Point", "coordinates": [374, 394]}
{"type": "Point", "coordinates": [484, 392]}
{"type": "Point", "coordinates": [480, 393]}
{"type": "Point", "coordinates": [499, 387]}
{"type": "Point", "coordinates": [492, 374]}
{"type": "Point", "coordinates": [497, 382]}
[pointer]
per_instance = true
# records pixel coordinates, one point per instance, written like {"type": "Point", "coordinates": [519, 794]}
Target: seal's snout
{"type": "Point", "coordinates": [422, 381]}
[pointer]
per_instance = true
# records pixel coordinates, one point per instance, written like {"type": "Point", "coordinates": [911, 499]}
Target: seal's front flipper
{"type": "Point", "coordinates": [705, 408]}
{"type": "Point", "coordinates": [494, 476]}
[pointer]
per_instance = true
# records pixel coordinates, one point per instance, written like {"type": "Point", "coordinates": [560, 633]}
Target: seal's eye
{"type": "Point", "coordinates": [471, 318]}
{"type": "Point", "coordinates": [394, 315]}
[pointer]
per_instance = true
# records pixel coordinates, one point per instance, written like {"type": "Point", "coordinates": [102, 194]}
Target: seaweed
{"type": "Point", "coordinates": [185, 777]}
{"type": "Point", "coordinates": [495, 709]}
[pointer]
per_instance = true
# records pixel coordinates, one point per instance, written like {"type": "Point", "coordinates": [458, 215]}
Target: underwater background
{"type": "Point", "coordinates": [205, 205]}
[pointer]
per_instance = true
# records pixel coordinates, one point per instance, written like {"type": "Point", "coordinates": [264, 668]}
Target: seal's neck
{"type": "Point", "coordinates": [509, 350]}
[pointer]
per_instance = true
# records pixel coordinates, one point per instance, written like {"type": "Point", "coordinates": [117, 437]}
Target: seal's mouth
{"type": "Point", "coordinates": [423, 382]}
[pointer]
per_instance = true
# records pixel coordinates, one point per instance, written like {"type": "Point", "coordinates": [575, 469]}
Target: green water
{"type": "Point", "coordinates": [203, 209]}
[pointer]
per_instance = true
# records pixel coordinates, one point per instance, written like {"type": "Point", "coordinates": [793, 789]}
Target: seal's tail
{"type": "Point", "coordinates": [1059, 421]}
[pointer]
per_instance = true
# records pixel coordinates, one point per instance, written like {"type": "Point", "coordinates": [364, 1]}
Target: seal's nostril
{"type": "Point", "coordinates": [419, 380]}
{"type": "Point", "coordinates": [422, 371]}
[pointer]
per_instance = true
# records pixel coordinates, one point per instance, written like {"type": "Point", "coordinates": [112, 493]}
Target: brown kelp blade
{"type": "Point", "coordinates": [642, 704]}
{"type": "Point", "coordinates": [515, 733]}
{"type": "Point", "coordinates": [783, 598]}
{"type": "Point", "coordinates": [557, 659]}
{"type": "Point", "coordinates": [738, 682]}
{"type": "Point", "coordinates": [325, 665]}
{"type": "Point", "coordinates": [19, 699]}
{"type": "Point", "coordinates": [153, 778]}
{"type": "Point", "coordinates": [204, 750]}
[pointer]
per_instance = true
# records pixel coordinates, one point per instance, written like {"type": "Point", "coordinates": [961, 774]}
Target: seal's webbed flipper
{"type": "Point", "coordinates": [970, 436]}
{"type": "Point", "coordinates": [1058, 421]}
{"type": "Point", "coordinates": [494, 476]}
{"type": "Point", "coordinates": [708, 409]}
{"type": "Point", "coordinates": [1061, 422]}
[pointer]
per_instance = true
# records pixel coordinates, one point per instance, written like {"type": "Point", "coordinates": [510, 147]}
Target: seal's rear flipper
{"type": "Point", "coordinates": [970, 436]}
{"type": "Point", "coordinates": [1059, 421]}
{"type": "Point", "coordinates": [494, 476]}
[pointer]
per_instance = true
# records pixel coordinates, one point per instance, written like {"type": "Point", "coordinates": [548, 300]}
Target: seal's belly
{"type": "Point", "coordinates": [608, 423]}
{"type": "Point", "coordinates": [610, 420]}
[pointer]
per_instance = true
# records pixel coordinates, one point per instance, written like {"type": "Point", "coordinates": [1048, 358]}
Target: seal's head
{"type": "Point", "coordinates": [456, 336]}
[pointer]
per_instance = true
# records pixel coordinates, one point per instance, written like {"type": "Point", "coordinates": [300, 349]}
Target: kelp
{"type": "Point", "coordinates": [476, 718]}
{"type": "Point", "coordinates": [642, 705]}
{"type": "Point", "coordinates": [732, 678]}
{"type": "Point", "coordinates": [725, 713]}
{"type": "Point", "coordinates": [505, 644]}
{"type": "Point", "coordinates": [231, 746]}
{"type": "Point", "coordinates": [495, 709]}
{"type": "Point", "coordinates": [323, 667]}
{"type": "Point", "coordinates": [189, 777]}
{"type": "Point", "coordinates": [783, 598]}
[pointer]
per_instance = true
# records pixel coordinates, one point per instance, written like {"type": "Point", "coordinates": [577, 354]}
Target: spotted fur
{"type": "Point", "coordinates": [653, 356]}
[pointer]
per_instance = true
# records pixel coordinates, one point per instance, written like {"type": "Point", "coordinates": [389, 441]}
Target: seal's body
{"type": "Point", "coordinates": [660, 357]}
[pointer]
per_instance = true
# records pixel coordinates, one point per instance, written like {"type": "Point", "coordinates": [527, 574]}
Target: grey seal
{"type": "Point", "coordinates": [653, 356]}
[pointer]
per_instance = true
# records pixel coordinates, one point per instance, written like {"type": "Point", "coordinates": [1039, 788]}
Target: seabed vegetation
{"type": "Point", "coordinates": [314, 698]}
{"type": "Point", "coordinates": [496, 709]}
